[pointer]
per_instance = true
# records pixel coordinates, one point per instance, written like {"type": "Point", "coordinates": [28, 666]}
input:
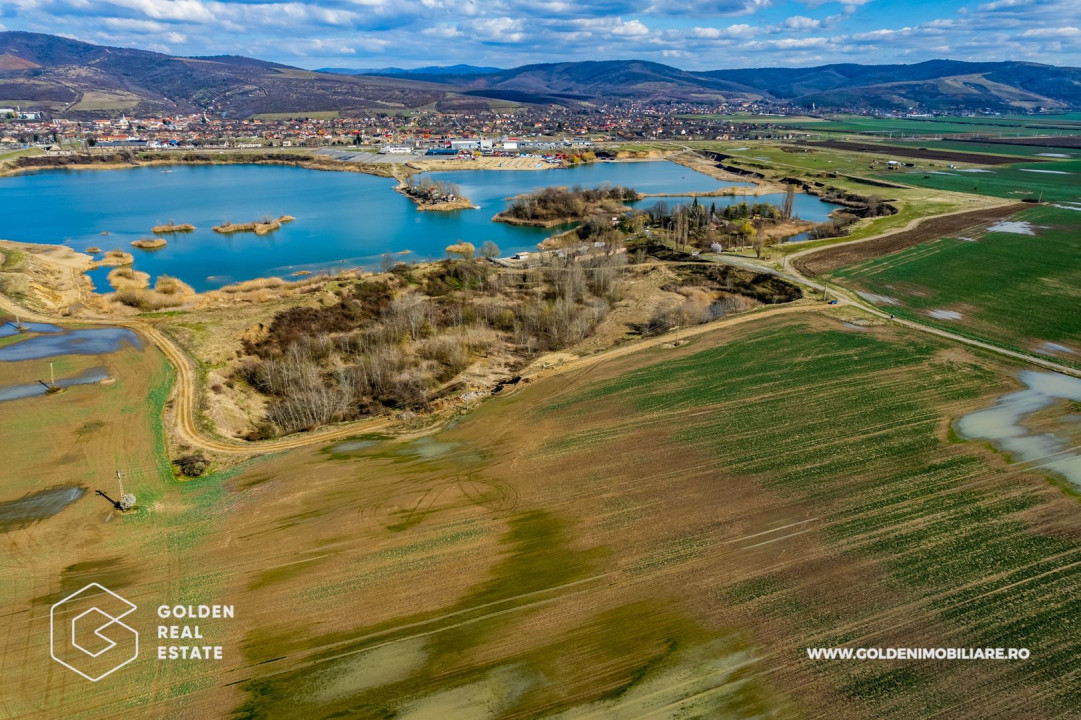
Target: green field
{"type": "Point", "coordinates": [1020, 125]}
{"type": "Point", "coordinates": [991, 148]}
{"type": "Point", "coordinates": [679, 514]}
{"type": "Point", "coordinates": [1013, 289]}
{"type": "Point", "coordinates": [1012, 181]}
{"type": "Point", "coordinates": [851, 424]}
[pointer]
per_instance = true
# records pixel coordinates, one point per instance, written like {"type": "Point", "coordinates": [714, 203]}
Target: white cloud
{"type": "Point", "coordinates": [442, 31]}
{"type": "Point", "coordinates": [732, 31]}
{"type": "Point", "coordinates": [498, 30]}
{"type": "Point", "coordinates": [1060, 32]}
{"type": "Point", "coordinates": [799, 22]}
{"type": "Point", "coordinates": [634, 28]}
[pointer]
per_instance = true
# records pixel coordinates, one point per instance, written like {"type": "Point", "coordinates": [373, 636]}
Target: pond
{"type": "Point", "coordinates": [92, 341]}
{"type": "Point", "coordinates": [342, 219]}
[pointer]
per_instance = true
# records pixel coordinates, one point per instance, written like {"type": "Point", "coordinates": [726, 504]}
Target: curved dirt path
{"type": "Point", "coordinates": [186, 427]}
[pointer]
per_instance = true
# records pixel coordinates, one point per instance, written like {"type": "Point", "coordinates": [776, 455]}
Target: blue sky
{"type": "Point", "coordinates": [692, 34]}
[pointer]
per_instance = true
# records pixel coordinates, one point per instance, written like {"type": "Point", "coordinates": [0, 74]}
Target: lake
{"type": "Point", "coordinates": [343, 219]}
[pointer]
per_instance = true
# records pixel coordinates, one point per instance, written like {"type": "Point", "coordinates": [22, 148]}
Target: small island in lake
{"type": "Point", "coordinates": [172, 228]}
{"type": "Point", "coordinates": [431, 194]}
{"type": "Point", "coordinates": [259, 227]}
{"type": "Point", "coordinates": [149, 243]}
{"type": "Point", "coordinates": [559, 205]}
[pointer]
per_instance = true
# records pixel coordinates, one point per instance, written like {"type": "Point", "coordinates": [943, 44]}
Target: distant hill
{"type": "Point", "coordinates": [426, 70]}
{"type": "Point", "coordinates": [603, 79]}
{"type": "Point", "coordinates": [933, 85]}
{"type": "Point", "coordinates": [73, 78]}
{"type": "Point", "coordinates": [938, 85]}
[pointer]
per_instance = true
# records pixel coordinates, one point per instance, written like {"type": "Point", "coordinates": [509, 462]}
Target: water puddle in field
{"type": "Point", "coordinates": [878, 299]}
{"type": "Point", "coordinates": [975, 170]}
{"type": "Point", "coordinates": [1054, 155]}
{"type": "Point", "coordinates": [1050, 348]}
{"type": "Point", "coordinates": [18, 392]}
{"type": "Point", "coordinates": [94, 341]}
{"type": "Point", "coordinates": [356, 444]}
{"type": "Point", "coordinates": [15, 514]}
{"type": "Point", "coordinates": [1004, 424]}
{"type": "Point", "coordinates": [426, 448]}
{"type": "Point", "coordinates": [944, 314]}
{"type": "Point", "coordinates": [8, 328]}
{"type": "Point", "coordinates": [1016, 227]}
{"type": "Point", "coordinates": [1046, 172]}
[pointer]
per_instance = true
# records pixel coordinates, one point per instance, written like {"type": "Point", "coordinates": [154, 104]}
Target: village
{"type": "Point", "coordinates": [512, 130]}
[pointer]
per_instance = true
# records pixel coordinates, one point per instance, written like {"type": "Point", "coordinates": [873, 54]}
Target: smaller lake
{"type": "Point", "coordinates": [92, 341]}
{"type": "Point", "coordinates": [343, 219]}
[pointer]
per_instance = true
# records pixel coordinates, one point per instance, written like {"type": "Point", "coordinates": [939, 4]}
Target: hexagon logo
{"type": "Point", "coordinates": [86, 635]}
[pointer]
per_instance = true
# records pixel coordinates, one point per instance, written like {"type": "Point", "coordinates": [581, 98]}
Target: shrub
{"type": "Point", "coordinates": [193, 465]}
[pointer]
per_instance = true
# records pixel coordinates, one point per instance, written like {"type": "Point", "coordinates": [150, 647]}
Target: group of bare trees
{"type": "Point", "coordinates": [394, 344]}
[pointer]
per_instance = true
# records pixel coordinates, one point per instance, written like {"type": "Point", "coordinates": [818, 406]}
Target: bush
{"type": "Point", "coordinates": [193, 465]}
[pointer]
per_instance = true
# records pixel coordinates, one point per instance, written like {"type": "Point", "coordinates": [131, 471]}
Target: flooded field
{"type": "Point", "coordinates": [91, 341]}
{"type": "Point", "coordinates": [1008, 424]}
{"type": "Point", "coordinates": [25, 390]}
{"type": "Point", "coordinates": [37, 506]}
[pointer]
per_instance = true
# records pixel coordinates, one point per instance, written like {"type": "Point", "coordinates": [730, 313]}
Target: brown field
{"type": "Point", "coordinates": [830, 258]}
{"type": "Point", "coordinates": [660, 535]}
{"type": "Point", "coordinates": [1062, 141]}
{"type": "Point", "coordinates": [921, 153]}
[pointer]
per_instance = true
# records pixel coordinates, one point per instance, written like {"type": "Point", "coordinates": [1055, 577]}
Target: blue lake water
{"type": "Point", "coordinates": [7, 328]}
{"type": "Point", "coordinates": [342, 219]}
{"type": "Point", "coordinates": [92, 341]}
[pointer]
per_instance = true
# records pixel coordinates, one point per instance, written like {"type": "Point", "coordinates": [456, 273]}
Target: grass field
{"type": "Point", "coordinates": [660, 535]}
{"type": "Point", "coordinates": [1056, 181]}
{"type": "Point", "coordinates": [1019, 125]}
{"type": "Point", "coordinates": [1014, 289]}
{"type": "Point", "coordinates": [992, 148]}
{"type": "Point", "coordinates": [721, 506]}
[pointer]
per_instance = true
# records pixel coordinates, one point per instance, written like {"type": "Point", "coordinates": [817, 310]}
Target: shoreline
{"type": "Point", "coordinates": [311, 163]}
{"type": "Point", "coordinates": [97, 300]}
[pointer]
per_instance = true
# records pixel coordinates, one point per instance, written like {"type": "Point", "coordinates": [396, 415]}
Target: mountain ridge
{"type": "Point", "coordinates": [72, 78]}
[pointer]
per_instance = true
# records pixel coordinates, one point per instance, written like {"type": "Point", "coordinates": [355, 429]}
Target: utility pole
{"type": "Point", "coordinates": [126, 501]}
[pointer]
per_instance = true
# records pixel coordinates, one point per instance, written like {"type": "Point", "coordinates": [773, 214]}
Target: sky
{"type": "Point", "coordinates": [691, 34]}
